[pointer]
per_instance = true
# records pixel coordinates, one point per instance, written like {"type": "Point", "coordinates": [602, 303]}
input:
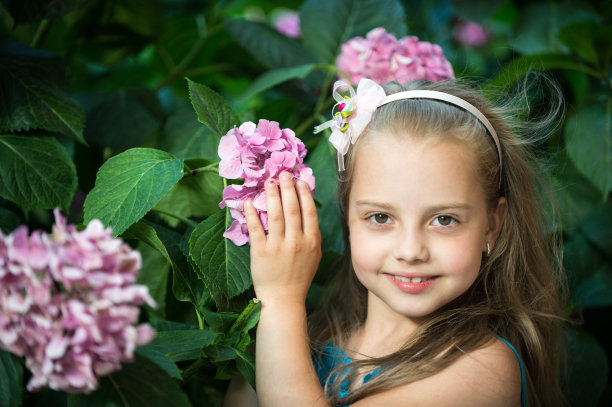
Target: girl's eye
{"type": "Point", "coordinates": [380, 218]}
{"type": "Point", "coordinates": [443, 220]}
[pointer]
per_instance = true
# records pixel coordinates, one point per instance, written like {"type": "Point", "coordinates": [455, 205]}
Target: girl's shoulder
{"type": "Point", "coordinates": [487, 376]}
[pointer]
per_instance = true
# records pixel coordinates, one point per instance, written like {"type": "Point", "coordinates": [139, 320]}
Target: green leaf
{"type": "Point", "coordinates": [211, 109]}
{"type": "Point", "coordinates": [154, 274]}
{"type": "Point", "coordinates": [589, 143]}
{"type": "Point", "coordinates": [161, 360]}
{"type": "Point", "coordinates": [123, 118]}
{"type": "Point", "coordinates": [322, 160]}
{"type": "Point", "coordinates": [36, 172]}
{"type": "Point", "coordinates": [183, 345]}
{"type": "Point", "coordinates": [11, 380]}
{"type": "Point", "coordinates": [588, 369]}
{"type": "Point", "coordinates": [196, 195]}
{"type": "Point", "coordinates": [276, 76]}
{"type": "Point", "coordinates": [185, 137]}
{"type": "Point", "coordinates": [129, 184]}
{"type": "Point", "coordinates": [146, 233]}
{"type": "Point", "coordinates": [33, 95]}
{"type": "Point", "coordinates": [540, 23]}
{"type": "Point", "coordinates": [28, 11]}
{"type": "Point", "coordinates": [245, 362]}
{"type": "Point", "coordinates": [598, 227]}
{"type": "Point", "coordinates": [219, 321]}
{"type": "Point", "coordinates": [139, 384]}
{"type": "Point", "coordinates": [269, 47]}
{"type": "Point", "coordinates": [580, 38]}
{"type": "Point", "coordinates": [247, 319]}
{"type": "Point", "coordinates": [327, 24]}
{"type": "Point", "coordinates": [224, 267]}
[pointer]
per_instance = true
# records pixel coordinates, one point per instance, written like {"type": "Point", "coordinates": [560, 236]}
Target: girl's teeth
{"type": "Point", "coordinates": [411, 280]}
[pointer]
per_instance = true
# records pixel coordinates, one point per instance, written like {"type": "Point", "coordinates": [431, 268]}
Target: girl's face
{"type": "Point", "coordinates": [418, 222]}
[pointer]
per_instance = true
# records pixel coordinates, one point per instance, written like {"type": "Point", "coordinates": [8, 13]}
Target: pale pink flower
{"type": "Point", "coordinates": [382, 58]}
{"type": "Point", "coordinates": [68, 304]}
{"type": "Point", "coordinates": [288, 23]}
{"type": "Point", "coordinates": [470, 34]}
{"type": "Point", "coordinates": [257, 153]}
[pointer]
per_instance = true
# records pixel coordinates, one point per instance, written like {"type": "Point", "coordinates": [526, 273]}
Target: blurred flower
{"type": "Point", "coordinates": [382, 58]}
{"type": "Point", "coordinates": [288, 23]}
{"type": "Point", "coordinates": [257, 153]}
{"type": "Point", "coordinates": [68, 303]}
{"type": "Point", "coordinates": [470, 34]}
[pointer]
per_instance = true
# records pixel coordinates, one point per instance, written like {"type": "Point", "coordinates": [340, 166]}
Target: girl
{"type": "Point", "coordinates": [449, 296]}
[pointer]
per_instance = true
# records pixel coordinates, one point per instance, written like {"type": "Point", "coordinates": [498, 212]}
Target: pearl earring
{"type": "Point", "coordinates": [488, 249]}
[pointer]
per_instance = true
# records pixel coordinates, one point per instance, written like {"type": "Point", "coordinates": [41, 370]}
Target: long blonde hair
{"type": "Point", "coordinates": [520, 288]}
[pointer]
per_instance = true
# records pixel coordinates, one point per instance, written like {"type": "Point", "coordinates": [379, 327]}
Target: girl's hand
{"type": "Point", "coordinates": [284, 262]}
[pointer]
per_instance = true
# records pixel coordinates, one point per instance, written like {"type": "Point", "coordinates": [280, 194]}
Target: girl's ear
{"type": "Point", "coordinates": [496, 220]}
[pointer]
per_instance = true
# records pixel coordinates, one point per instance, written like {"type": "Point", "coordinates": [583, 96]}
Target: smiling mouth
{"type": "Point", "coordinates": [414, 280]}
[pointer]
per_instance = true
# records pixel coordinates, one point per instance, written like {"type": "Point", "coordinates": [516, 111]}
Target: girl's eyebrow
{"type": "Point", "coordinates": [437, 208]}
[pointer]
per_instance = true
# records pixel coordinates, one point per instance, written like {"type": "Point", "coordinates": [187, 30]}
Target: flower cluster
{"type": "Point", "coordinates": [288, 23]}
{"type": "Point", "coordinates": [256, 153]}
{"type": "Point", "coordinates": [382, 58]}
{"type": "Point", "coordinates": [470, 34]}
{"type": "Point", "coordinates": [68, 303]}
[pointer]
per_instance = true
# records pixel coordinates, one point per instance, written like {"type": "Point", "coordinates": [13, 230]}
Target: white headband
{"type": "Point", "coordinates": [353, 113]}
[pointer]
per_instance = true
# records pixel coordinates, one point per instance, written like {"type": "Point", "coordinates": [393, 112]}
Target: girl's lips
{"type": "Point", "coordinates": [412, 285]}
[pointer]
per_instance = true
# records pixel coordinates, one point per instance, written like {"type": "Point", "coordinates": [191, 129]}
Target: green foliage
{"type": "Point", "coordinates": [114, 110]}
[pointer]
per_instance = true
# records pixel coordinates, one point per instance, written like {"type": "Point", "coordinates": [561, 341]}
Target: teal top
{"type": "Point", "coordinates": [331, 356]}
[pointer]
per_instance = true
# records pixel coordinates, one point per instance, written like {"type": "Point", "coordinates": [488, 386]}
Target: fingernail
{"type": "Point", "coordinates": [271, 182]}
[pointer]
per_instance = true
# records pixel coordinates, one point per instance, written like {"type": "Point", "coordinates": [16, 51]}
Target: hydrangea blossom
{"type": "Point", "coordinates": [68, 303]}
{"type": "Point", "coordinates": [256, 153]}
{"type": "Point", "coordinates": [470, 34]}
{"type": "Point", "coordinates": [382, 58]}
{"type": "Point", "coordinates": [288, 23]}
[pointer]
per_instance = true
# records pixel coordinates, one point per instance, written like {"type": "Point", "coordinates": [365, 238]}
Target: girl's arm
{"type": "Point", "coordinates": [283, 264]}
{"type": "Point", "coordinates": [240, 393]}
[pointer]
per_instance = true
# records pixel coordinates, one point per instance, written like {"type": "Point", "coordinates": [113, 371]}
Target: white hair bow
{"type": "Point", "coordinates": [352, 114]}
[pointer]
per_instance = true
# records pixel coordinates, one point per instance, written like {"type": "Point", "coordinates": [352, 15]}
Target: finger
{"type": "Point", "coordinates": [291, 205]}
{"type": "Point", "coordinates": [256, 231]}
{"type": "Point", "coordinates": [310, 219]}
{"type": "Point", "coordinates": [276, 222]}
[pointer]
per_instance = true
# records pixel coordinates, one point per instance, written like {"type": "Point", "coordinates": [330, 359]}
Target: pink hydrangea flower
{"type": "Point", "coordinates": [470, 34]}
{"type": "Point", "coordinates": [257, 153]}
{"type": "Point", "coordinates": [382, 58]}
{"type": "Point", "coordinates": [288, 23]}
{"type": "Point", "coordinates": [68, 304]}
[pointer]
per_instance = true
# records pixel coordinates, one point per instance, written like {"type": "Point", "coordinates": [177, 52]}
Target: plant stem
{"type": "Point", "coordinates": [209, 168]}
{"type": "Point", "coordinates": [41, 33]}
{"type": "Point", "coordinates": [200, 319]}
{"type": "Point", "coordinates": [175, 216]}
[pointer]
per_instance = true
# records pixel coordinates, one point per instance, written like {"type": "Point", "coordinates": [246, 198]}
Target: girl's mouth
{"type": "Point", "coordinates": [412, 285]}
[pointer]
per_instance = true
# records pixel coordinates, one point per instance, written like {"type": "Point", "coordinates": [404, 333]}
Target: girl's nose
{"type": "Point", "coordinates": [411, 247]}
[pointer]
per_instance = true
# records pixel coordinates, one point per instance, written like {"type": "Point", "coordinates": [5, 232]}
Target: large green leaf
{"type": "Point", "coordinates": [139, 384]}
{"type": "Point", "coordinates": [224, 266]}
{"type": "Point", "coordinates": [580, 38]}
{"type": "Point", "coordinates": [276, 76]}
{"type": "Point", "coordinates": [476, 10]}
{"type": "Point", "coordinates": [268, 46]}
{"type": "Point", "coordinates": [154, 274]}
{"type": "Point", "coordinates": [185, 137]}
{"type": "Point", "coordinates": [33, 95]}
{"type": "Point", "coordinates": [36, 172]}
{"type": "Point", "coordinates": [589, 143]}
{"type": "Point", "coordinates": [129, 185]}
{"type": "Point", "coordinates": [186, 284]}
{"type": "Point", "coordinates": [211, 109]}
{"type": "Point", "coordinates": [182, 345]}
{"type": "Point", "coordinates": [11, 380]}
{"type": "Point", "coordinates": [327, 24]}
{"type": "Point", "coordinates": [588, 369]}
{"type": "Point", "coordinates": [122, 119]}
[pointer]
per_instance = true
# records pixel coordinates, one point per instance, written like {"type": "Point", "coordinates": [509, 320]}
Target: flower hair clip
{"type": "Point", "coordinates": [351, 114]}
{"type": "Point", "coordinates": [354, 112]}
